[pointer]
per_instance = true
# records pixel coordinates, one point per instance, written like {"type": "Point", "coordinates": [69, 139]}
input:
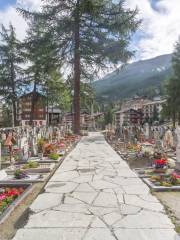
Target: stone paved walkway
{"type": "Point", "coordinates": [95, 196]}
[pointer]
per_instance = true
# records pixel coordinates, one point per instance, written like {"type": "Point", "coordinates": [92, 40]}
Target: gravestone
{"type": "Point", "coordinates": [157, 139]}
{"type": "Point", "coordinates": [146, 131]}
{"type": "Point", "coordinates": [168, 140]}
{"type": "Point", "coordinates": [35, 147]}
{"type": "Point", "coordinates": [33, 144]}
{"type": "Point", "coordinates": [3, 175]}
{"type": "Point", "coordinates": [25, 148]}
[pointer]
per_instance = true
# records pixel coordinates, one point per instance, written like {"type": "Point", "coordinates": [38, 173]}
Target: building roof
{"type": "Point", "coordinates": [28, 94]}
{"type": "Point", "coordinates": [138, 104]}
{"type": "Point", "coordinates": [154, 102]}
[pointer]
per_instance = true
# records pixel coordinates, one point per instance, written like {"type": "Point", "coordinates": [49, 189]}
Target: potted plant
{"type": "Point", "coordinates": [19, 174]}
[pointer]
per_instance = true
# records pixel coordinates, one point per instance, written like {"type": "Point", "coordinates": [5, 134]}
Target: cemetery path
{"type": "Point", "coordinates": [95, 196]}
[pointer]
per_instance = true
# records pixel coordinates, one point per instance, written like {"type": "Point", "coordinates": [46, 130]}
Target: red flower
{"type": "Point", "coordinates": [14, 192]}
{"type": "Point", "coordinates": [9, 195]}
{"type": "Point", "coordinates": [175, 175]}
{"type": "Point", "coordinates": [160, 162]}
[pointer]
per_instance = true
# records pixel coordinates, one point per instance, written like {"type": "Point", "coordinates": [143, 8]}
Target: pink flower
{"type": "Point", "coordinates": [175, 175]}
{"type": "Point", "coordinates": [3, 196]}
{"type": "Point", "coordinates": [61, 145]}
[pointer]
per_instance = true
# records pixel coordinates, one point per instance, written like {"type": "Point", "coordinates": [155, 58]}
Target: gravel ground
{"type": "Point", "coordinates": [172, 202]}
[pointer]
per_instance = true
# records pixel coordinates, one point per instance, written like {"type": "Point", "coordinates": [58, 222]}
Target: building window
{"type": "Point", "coordinates": [41, 116]}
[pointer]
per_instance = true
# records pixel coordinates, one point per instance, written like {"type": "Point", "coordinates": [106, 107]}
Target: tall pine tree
{"type": "Point", "coordinates": [172, 107]}
{"type": "Point", "coordinates": [90, 34]}
{"type": "Point", "coordinates": [41, 55]}
{"type": "Point", "coordinates": [11, 72]}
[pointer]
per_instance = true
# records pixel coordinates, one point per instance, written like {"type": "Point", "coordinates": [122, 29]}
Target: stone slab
{"type": "Point", "coordinates": [58, 219]}
{"type": "Point", "coordinates": [50, 233]}
{"type": "Point", "coordinates": [99, 234]}
{"type": "Point", "coordinates": [146, 234]}
{"type": "Point", "coordinates": [46, 201]}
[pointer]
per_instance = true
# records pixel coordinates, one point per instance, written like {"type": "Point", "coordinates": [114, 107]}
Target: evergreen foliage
{"type": "Point", "coordinates": [90, 35]}
{"type": "Point", "coordinates": [11, 73]}
{"type": "Point", "coordinates": [172, 107]}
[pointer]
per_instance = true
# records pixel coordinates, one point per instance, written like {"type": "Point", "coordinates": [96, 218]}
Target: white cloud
{"type": "Point", "coordinates": [159, 30]}
{"type": "Point", "coordinates": [30, 4]}
{"type": "Point", "coordinates": [10, 15]}
{"type": "Point", "coordinates": [160, 26]}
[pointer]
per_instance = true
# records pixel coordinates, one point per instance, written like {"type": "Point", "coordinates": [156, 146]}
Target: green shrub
{"type": "Point", "coordinates": [31, 164]}
{"type": "Point", "coordinates": [53, 156]}
{"type": "Point", "coordinates": [40, 143]}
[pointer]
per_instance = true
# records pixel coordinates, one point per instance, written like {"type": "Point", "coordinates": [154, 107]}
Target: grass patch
{"type": "Point", "coordinates": [178, 229]}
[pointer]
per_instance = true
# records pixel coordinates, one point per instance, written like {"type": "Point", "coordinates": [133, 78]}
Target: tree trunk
{"type": "Point", "coordinates": [179, 119]}
{"type": "Point", "coordinates": [14, 110]}
{"type": "Point", "coordinates": [77, 71]}
{"type": "Point", "coordinates": [33, 102]}
{"type": "Point", "coordinates": [47, 110]}
{"type": "Point", "coordinates": [14, 113]}
{"type": "Point", "coordinates": [174, 119]}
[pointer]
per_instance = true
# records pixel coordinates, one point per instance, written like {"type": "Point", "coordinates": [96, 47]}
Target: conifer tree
{"type": "Point", "coordinates": [11, 73]}
{"type": "Point", "coordinates": [172, 107]}
{"type": "Point", "coordinates": [90, 34]}
{"type": "Point", "coordinates": [41, 56]}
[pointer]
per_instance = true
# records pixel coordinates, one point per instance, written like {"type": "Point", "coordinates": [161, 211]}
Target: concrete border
{"type": "Point", "coordinates": [17, 201]}
{"type": "Point", "coordinates": [160, 188]}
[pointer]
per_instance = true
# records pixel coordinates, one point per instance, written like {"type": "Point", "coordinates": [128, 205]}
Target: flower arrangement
{"type": "Point", "coordinates": [62, 145]}
{"type": "Point", "coordinates": [7, 196]}
{"type": "Point", "coordinates": [160, 163]}
{"type": "Point", "coordinates": [146, 154]}
{"type": "Point", "coordinates": [175, 175]}
{"type": "Point", "coordinates": [19, 174]}
{"type": "Point", "coordinates": [175, 178]}
{"type": "Point", "coordinates": [49, 148]}
{"type": "Point", "coordinates": [133, 147]}
{"type": "Point", "coordinates": [166, 180]}
{"type": "Point", "coordinates": [40, 143]}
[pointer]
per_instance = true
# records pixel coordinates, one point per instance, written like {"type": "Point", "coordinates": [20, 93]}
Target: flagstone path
{"type": "Point", "coordinates": [95, 196]}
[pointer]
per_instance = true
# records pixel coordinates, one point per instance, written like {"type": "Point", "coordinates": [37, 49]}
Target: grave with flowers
{"type": "Point", "coordinates": [11, 195]}
{"type": "Point", "coordinates": [166, 179]}
{"type": "Point", "coordinates": [32, 153]}
{"type": "Point", "coordinates": [29, 157]}
{"type": "Point", "coordinates": [168, 182]}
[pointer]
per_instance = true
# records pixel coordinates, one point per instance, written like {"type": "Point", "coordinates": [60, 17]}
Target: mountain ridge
{"type": "Point", "coordinates": [136, 78]}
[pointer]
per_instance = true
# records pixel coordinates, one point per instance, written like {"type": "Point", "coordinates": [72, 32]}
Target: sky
{"type": "Point", "coordinates": [159, 31]}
